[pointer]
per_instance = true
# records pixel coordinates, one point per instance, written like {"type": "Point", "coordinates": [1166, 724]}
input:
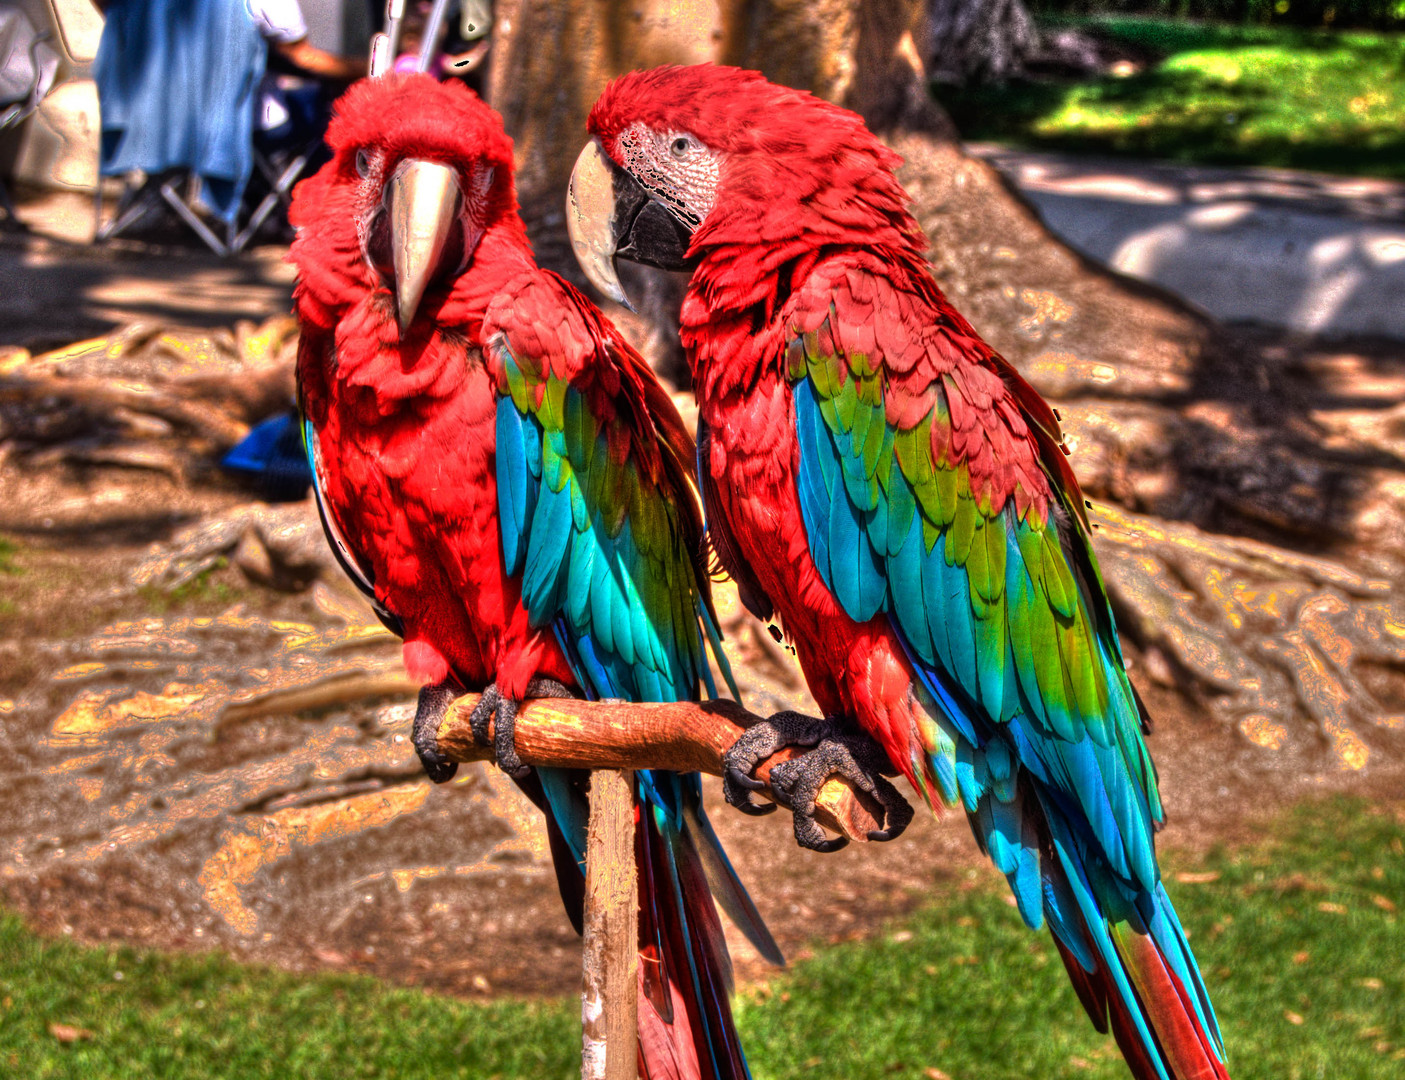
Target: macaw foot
{"type": "Point", "coordinates": [429, 716]}
{"type": "Point", "coordinates": [501, 712]}
{"type": "Point", "coordinates": [795, 784]}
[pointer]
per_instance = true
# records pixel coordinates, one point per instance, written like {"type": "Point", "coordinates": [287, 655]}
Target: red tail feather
{"type": "Point", "coordinates": [1184, 1045]}
{"type": "Point", "coordinates": [675, 1016]}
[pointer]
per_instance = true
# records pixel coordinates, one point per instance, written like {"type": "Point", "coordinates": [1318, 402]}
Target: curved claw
{"type": "Point", "coordinates": [501, 713]}
{"type": "Point", "coordinates": [858, 759]}
{"type": "Point", "coordinates": [828, 846]}
{"type": "Point", "coordinates": [754, 746]}
{"type": "Point", "coordinates": [482, 714]}
{"type": "Point", "coordinates": [748, 782]}
{"type": "Point", "coordinates": [737, 788]}
{"type": "Point", "coordinates": [504, 748]}
{"type": "Point", "coordinates": [897, 811]}
{"type": "Point", "coordinates": [808, 834]}
{"type": "Point", "coordinates": [434, 702]}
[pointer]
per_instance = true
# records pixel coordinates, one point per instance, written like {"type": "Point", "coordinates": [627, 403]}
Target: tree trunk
{"type": "Point", "coordinates": [1169, 415]}
{"type": "Point", "coordinates": [971, 41]}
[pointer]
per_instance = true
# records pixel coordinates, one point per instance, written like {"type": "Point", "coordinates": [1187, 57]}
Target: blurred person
{"type": "Point", "coordinates": [282, 25]}
{"type": "Point", "coordinates": [178, 88]}
{"type": "Point", "coordinates": [195, 86]}
{"type": "Point", "coordinates": [300, 81]}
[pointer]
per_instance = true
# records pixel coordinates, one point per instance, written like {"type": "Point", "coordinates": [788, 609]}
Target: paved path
{"type": "Point", "coordinates": [1305, 251]}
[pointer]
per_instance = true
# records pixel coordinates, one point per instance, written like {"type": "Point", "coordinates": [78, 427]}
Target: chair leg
{"type": "Point", "coordinates": [215, 244]}
{"type": "Point", "coordinates": [134, 201]}
{"type": "Point", "coordinates": [282, 184]}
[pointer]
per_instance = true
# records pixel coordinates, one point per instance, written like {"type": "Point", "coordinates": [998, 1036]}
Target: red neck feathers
{"type": "Point", "coordinates": [799, 178]}
{"type": "Point", "coordinates": [379, 124]}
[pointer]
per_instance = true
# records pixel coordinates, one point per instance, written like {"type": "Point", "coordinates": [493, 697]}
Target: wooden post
{"type": "Point", "coordinates": [609, 994]}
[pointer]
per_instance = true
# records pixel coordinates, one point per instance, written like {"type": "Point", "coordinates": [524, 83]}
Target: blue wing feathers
{"type": "Point", "coordinates": [546, 551]}
{"type": "Point", "coordinates": [512, 484]}
{"type": "Point", "coordinates": [632, 625]}
{"type": "Point", "coordinates": [973, 602]}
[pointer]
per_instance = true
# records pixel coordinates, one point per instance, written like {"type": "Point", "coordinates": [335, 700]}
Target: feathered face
{"type": "Point", "coordinates": [684, 158]}
{"type": "Point", "coordinates": [419, 172]}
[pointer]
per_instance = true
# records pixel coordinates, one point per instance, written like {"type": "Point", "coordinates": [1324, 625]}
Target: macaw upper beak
{"type": "Point", "coordinates": [609, 215]}
{"type": "Point", "coordinates": [424, 199]}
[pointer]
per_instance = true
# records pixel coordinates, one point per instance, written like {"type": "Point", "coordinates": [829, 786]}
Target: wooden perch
{"type": "Point", "coordinates": [683, 737]}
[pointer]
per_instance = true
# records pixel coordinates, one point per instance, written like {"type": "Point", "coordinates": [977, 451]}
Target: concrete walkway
{"type": "Point", "coordinates": [1302, 251]}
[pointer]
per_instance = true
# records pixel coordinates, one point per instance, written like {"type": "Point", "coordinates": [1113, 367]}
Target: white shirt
{"type": "Point", "coordinates": [278, 20]}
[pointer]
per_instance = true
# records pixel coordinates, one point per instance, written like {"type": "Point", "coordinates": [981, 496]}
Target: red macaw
{"type": "Point", "coordinates": [891, 488]}
{"type": "Point", "coordinates": [507, 481]}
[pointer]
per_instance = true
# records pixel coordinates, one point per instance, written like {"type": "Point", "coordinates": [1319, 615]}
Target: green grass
{"type": "Point", "coordinates": [8, 550]}
{"type": "Point", "coordinates": [205, 589]}
{"type": "Point", "coordinates": [973, 994]}
{"type": "Point", "coordinates": [1219, 94]}
{"type": "Point", "coordinates": [8, 568]}
{"type": "Point", "coordinates": [183, 1017]}
{"type": "Point", "coordinates": [1301, 950]}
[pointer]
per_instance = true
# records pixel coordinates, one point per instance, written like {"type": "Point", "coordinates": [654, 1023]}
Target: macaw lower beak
{"type": "Point", "coordinates": [424, 200]}
{"type": "Point", "coordinates": [610, 216]}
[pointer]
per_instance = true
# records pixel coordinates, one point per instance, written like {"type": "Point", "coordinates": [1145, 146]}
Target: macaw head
{"type": "Point", "coordinates": [687, 159]}
{"type": "Point", "coordinates": [420, 171]}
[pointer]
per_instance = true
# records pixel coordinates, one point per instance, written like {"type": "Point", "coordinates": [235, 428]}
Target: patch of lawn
{"type": "Point", "coordinates": [143, 1015]}
{"type": "Point", "coordinates": [8, 549]}
{"type": "Point", "coordinates": [1295, 98]}
{"type": "Point", "coordinates": [209, 588]}
{"type": "Point", "coordinates": [8, 568]}
{"type": "Point", "coordinates": [1299, 937]}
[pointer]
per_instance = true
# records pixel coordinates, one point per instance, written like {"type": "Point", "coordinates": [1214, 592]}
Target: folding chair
{"type": "Point", "coordinates": [28, 67]}
{"type": "Point", "coordinates": [283, 153]}
{"type": "Point", "coordinates": [143, 196]}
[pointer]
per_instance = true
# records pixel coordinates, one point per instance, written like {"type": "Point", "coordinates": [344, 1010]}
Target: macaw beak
{"type": "Point", "coordinates": [424, 200]}
{"type": "Point", "coordinates": [610, 216]}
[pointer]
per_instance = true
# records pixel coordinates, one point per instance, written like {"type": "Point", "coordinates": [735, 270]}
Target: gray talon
{"type": "Point", "coordinates": [543, 687]}
{"type": "Point", "coordinates": [795, 784]}
{"type": "Point", "coordinates": [756, 744]}
{"type": "Point", "coordinates": [434, 702]}
{"type": "Point", "coordinates": [482, 715]}
{"type": "Point", "coordinates": [736, 776]}
{"type": "Point", "coordinates": [502, 713]}
{"type": "Point", "coordinates": [504, 748]}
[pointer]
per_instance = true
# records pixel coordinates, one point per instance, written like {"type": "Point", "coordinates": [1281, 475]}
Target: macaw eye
{"type": "Point", "coordinates": [680, 147]}
{"type": "Point", "coordinates": [363, 164]}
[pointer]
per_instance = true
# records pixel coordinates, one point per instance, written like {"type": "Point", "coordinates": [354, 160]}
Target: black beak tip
{"type": "Point", "coordinates": [645, 230]}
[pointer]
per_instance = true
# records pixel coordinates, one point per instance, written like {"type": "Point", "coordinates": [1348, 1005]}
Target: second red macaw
{"type": "Point", "coordinates": [880, 479]}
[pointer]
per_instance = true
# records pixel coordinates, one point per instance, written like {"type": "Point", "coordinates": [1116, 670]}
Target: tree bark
{"type": "Point", "coordinates": [975, 41]}
{"type": "Point", "coordinates": [610, 964]}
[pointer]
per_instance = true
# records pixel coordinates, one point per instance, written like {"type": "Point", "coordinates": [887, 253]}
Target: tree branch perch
{"type": "Point", "coordinates": [684, 736]}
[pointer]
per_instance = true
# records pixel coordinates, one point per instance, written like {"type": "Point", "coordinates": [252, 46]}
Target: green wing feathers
{"type": "Point", "coordinates": [599, 537]}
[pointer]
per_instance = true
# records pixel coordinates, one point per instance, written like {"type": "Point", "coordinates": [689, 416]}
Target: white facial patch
{"type": "Point", "coordinates": [674, 167]}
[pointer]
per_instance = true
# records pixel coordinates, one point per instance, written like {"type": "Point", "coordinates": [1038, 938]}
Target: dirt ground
{"type": "Point", "coordinates": [204, 733]}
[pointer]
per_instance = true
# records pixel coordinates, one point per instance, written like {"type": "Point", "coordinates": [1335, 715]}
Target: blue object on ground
{"type": "Point", "coordinates": [273, 456]}
{"type": "Point", "coordinates": [177, 86]}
